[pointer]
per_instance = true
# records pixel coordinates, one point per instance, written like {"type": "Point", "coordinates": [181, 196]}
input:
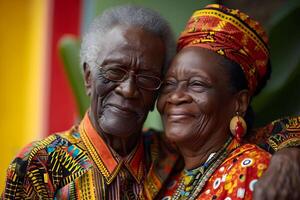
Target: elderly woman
{"type": "Point", "coordinates": [223, 61]}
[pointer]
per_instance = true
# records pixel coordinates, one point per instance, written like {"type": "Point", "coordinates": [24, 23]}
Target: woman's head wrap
{"type": "Point", "coordinates": [230, 33]}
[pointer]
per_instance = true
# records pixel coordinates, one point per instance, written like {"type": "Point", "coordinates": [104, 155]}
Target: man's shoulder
{"type": "Point", "coordinates": [279, 134]}
{"type": "Point", "coordinates": [49, 163]}
{"type": "Point", "coordinates": [50, 143]}
{"type": "Point", "coordinates": [58, 146]}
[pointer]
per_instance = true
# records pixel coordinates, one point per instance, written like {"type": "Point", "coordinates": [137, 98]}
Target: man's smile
{"type": "Point", "coordinates": [121, 109]}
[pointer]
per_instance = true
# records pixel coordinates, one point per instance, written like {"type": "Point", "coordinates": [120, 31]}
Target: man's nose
{"type": "Point", "coordinates": [128, 87]}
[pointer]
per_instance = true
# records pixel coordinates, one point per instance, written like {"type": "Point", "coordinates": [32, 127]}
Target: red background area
{"type": "Point", "coordinates": [62, 110]}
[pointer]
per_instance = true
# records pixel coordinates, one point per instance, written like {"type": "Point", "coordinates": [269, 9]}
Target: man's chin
{"type": "Point", "coordinates": [119, 127]}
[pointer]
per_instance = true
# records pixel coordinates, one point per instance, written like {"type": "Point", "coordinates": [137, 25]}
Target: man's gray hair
{"type": "Point", "coordinates": [130, 15]}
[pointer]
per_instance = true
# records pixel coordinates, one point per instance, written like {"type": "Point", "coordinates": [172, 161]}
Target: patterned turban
{"type": "Point", "coordinates": [232, 34]}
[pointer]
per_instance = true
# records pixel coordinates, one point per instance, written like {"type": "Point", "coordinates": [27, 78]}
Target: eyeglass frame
{"type": "Point", "coordinates": [126, 75]}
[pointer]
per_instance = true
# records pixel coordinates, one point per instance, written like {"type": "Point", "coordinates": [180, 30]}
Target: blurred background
{"type": "Point", "coordinates": [40, 82]}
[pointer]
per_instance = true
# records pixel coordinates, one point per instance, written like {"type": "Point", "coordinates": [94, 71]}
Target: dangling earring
{"type": "Point", "coordinates": [238, 127]}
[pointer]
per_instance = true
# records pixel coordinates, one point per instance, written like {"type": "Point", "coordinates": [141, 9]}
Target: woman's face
{"type": "Point", "coordinates": [195, 101]}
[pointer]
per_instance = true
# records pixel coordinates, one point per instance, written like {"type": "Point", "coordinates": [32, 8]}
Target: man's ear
{"type": "Point", "coordinates": [242, 101]}
{"type": "Point", "coordinates": [87, 78]}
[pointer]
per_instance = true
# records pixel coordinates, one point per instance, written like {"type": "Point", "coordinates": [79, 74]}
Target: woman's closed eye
{"type": "Point", "coordinates": [197, 85]}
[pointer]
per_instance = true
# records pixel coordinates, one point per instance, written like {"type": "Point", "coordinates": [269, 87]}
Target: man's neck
{"type": "Point", "coordinates": [122, 146]}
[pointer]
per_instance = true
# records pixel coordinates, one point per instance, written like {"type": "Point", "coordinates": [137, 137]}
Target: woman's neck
{"type": "Point", "coordinates": [196, 154]}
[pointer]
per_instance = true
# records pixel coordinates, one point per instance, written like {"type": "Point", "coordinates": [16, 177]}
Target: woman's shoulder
{"type": "Point", "coordinates": [248, 150]}
{"type": "Point", "coordinates": [236, 176]}
{"type": "Point", "coordinates": [247, 157]}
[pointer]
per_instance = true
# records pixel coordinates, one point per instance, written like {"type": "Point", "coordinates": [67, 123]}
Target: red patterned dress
{"type": "Point", "coordinates": [233, 179]}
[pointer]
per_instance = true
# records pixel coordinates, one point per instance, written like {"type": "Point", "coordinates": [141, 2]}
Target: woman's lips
{"type": "Point", "coordinates": [177, 116]}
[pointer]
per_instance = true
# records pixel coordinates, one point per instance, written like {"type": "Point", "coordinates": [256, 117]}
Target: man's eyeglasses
{"type": "Point", "coordinates": [118, 74]}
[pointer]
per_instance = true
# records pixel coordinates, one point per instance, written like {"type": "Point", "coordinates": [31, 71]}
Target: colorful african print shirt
{"type": "Point", "coordinates": [77, 164]}
{"type": "Point", "coordinates": [233, 179]}
{"type": "Point", "coordinates": [73, 164]}
{"type": "Point", "coordinates": [279, 134]}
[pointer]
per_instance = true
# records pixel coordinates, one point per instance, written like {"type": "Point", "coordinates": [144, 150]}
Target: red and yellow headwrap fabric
{"type": "Point", "coordinates": [232, 34]}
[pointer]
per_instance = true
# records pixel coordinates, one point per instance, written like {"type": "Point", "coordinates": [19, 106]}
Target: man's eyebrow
{"type": "Point", "coordinates": [125, 60]}
{"type": "Point", "coordinates": [112, 59]}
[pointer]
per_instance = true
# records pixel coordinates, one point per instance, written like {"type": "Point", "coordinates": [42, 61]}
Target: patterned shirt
{"type": "Point", "coordinates": [279, 134]}
{"type": "Point", "coordinates": [236, 176]}
{"type": "Point", "coordinates": [77, 164]}
{"type": "Point", "coordinates": [233, 179]}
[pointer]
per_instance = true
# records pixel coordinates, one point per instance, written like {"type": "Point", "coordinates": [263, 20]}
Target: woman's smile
{"type": "Point", "coordinates": [177, 115]}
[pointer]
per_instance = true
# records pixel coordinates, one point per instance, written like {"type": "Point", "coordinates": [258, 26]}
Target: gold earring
{"type": "Point", "coordinates": [238, 126]}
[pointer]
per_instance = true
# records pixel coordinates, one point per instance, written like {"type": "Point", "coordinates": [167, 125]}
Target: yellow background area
{"type": "Point", "coordinates": [22, 75]}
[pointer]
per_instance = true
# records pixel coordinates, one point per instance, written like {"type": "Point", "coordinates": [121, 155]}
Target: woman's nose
{"type": "Point", "coordinates": [180, 96]}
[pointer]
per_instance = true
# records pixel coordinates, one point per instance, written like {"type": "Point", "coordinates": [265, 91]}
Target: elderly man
{"type": "Point", "coordinates": [124, 55]}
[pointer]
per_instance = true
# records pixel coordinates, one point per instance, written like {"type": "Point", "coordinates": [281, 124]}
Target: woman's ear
{"type": "Point", "coordinates": [242, 101]}
{"type": "Point", "coordinates": [87, 78]}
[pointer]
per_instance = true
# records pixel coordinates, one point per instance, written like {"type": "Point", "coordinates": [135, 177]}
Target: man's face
{"type": "Point", "coordinates": [120, 108]}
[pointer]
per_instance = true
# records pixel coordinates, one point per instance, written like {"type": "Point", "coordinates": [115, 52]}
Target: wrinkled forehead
{"type": "Point", "coordinates": [198, 62]}
{"type": "Point", "coordinates": [130, 38]}
{"type": "Point", "coordinates": [196, 58]}
{"type": "Point", "coordinates": [130, 42]}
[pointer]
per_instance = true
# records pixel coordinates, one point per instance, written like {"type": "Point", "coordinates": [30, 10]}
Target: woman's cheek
{"type": "Point", "coordinates": [161, 104]}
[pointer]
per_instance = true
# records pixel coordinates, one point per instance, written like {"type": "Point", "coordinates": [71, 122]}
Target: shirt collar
{"type": "Point", "coordinates": [108, 161]}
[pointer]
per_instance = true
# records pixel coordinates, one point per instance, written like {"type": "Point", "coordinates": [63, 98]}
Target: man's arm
{"type": "Point", "coordinates": [17, 185]}
{"type": "Point", "coordinates": [27, 176]}
{"type": "Point", "coordinates": [14, 181]}
{"type": "Point", "coordinates": [282, 178]}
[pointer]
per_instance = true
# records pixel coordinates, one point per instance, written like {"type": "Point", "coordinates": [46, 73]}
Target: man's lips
{"type": "Point", "coordinates": [121, 109]}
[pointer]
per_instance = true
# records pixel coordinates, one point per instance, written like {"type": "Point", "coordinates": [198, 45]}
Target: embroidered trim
{"type": "Point", "coordinates": [96, 158]}
{"type": "Point", "coordinates": [233, 20]}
